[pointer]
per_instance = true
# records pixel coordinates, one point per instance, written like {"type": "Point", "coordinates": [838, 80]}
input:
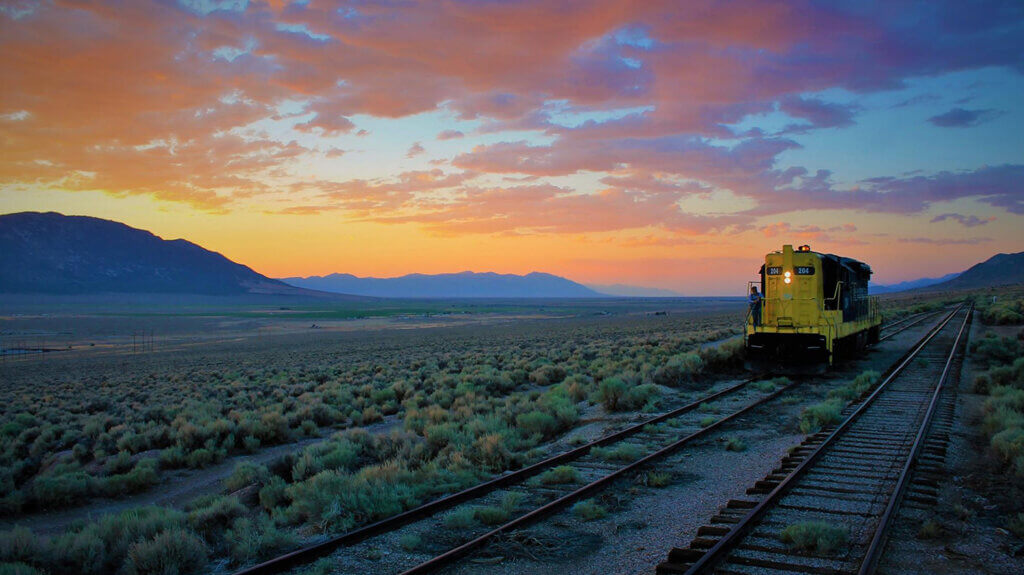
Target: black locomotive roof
{"type": "Point", "coordinates": [853, 265]}
{"type": "Point", "coordinates": [850, 263]}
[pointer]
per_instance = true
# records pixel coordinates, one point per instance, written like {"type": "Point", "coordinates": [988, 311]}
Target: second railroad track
{"type": "Point", "coordinates": [845, 482]}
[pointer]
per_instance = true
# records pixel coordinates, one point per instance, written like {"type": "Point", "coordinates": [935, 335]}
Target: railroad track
{"type": "Point", "coordinates": [892, 329]}
{"type": "Point", "coordinates": [853, 475]}
{"type": "Point", "coordinates": [668, 431]}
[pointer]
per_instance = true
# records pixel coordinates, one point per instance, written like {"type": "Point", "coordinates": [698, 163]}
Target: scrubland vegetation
{"type": "Point", "coordinates": [999, 367]}
{"type": "Point", "coordinates": [820, 415]}
{"type": "Point", "coordinates": [450, 412]}
{"type": "Point", "coordinates": [1001, 307]}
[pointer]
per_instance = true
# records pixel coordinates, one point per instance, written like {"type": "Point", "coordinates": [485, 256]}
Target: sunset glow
{"type": "Point", "coordinates": [650, 143]}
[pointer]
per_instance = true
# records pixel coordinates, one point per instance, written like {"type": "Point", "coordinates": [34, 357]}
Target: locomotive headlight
{"type": "Point", "coordinates": [787, 279]}
{"type": "Point", "coordinates": [787, 274]}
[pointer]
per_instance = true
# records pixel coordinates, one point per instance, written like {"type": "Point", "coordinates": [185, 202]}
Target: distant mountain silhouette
{"type": "Point", "coordinates": [50, 253]}
{"type": "Point", "coordinates": [909, 285]}
{"type": "Point", "coordinates": [458, 285]}
{"type": "Point", "coordinates": [1000, 269]}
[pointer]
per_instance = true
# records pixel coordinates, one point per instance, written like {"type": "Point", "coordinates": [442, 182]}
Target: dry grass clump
{"type": "Point", "coordinates": [814, 417]}
{"type": "Point", "coordinates": [814, 537]}
{"type": "Point", "coordinates": [589, 510]}
{"type": "Point", "coordinates": [559, 476]}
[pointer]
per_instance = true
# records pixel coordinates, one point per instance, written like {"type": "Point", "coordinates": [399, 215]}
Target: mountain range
{"type": "Point", "coordinates": [1000, 269]}
{"type": "Point", "coordinates": [457, 285]}
{"type": "Point", "coordinates": [50, 253]}
{"type": "Point", "coordinates": [909, 285]}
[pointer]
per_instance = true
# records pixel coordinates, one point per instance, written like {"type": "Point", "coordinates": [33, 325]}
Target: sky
{"type": "Point", "coordinates": [646, 142]}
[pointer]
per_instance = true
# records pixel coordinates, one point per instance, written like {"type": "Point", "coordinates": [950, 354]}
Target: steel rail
{"type": "Point", "coordinates": [315, 551]}
{"type": "Point", "coordinates": [875, 549]}
{"type": "Point", "coordinates": [456, 553]}
{"type": "Point", "coordinates": [730, 540]}
{"type": "Point", "coordinates": [904, 328]}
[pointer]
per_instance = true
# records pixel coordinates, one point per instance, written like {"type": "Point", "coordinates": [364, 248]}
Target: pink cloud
{"type": "Point", "coordinates": [146, 97]}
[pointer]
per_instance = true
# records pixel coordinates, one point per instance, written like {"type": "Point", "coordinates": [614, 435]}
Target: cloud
{"type": "Point", "coordinates": [415, 150]}
{"type": "Point", "coordinates": [109, 81]}
{"type": "Point", "coordinates": [796, 189]}
{"type": "Point", "coordinates": [810, 232]}
{"type": "Point", "coordinates": [966, 221]}
{"type": "Point", "coordinates": [550, 209]}
{"type": "Point", "coordinates": [963, 118]}
{"type": "Point", "coordinates": [329, 118]}
{"type": "Point", "coordinates": [450, 135]}
{"type": "Point", "coordinates": [818, 113]}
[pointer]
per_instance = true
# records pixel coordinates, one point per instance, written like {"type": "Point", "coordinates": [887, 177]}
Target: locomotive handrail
{"type": "Point", "coordinates": [835, 296]}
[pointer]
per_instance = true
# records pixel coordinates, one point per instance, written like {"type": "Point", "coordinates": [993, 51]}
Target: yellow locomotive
{"type": "Point", "coordinates": [811, 309]}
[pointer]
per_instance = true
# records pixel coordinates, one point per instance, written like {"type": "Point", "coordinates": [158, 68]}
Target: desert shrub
{"type": "Point", "coordinates": [559, 475]}
{"type": "Point", "coordinates": [855, 389]}
{"type": "Point", "coordinates": [1016, 525]}
{"type": "Point", "coordinates": [991, 350]}
{"type": "Point", "coordinates": [726, 355]}
{"type": "Point", "coordinates": [336, 501]}
{"type": "Point", "coordinates": [708, 408]}
{"type": "Point", "coordinates": [244, 475]}
{"type": "Point", "coordinates": [410, 542]}
{"type": "Point", "coordinates": [463, 518]}
{"type": "Point", "coordinates": [63, 488]}
{"type": "Point", "coordinates": [625, 453]}
{"type": "Point", "coordinates": [103, 546]}
{"type": "Point", "coordinates": [679, 369]}
{"type": "Point", "coordinates": [21, 545]}
{"type": "Point", "coordinates": [172, 457]}
{"type": "Point", "coordinates": [174, 551]}
{"type": "Point", "coordinates": [589, 510]}
{"type": "Point", "coordinates": [640, 396]}
{"type": "Point", "coordinates": [1009, 446]}
{"type": "Point", "coordinates": [558, 403]}
{"type": "Point", "coordinates": [19, 569]}
{"type": "Point", "coordinates": [491, 515]}
{"type": "Point", "coordinates": [204, 456]}
{"type": "Point", "coordinates": [211, 515]}
{"type": "Point", "coordinates": [490, 451]}
{"type": "Point", "coordinates": [577, 387]}
{"type": "Point", "coordinates": [982, 383]}
{"type": "Point", "coordinates": [611, 391]}
{"type": "Point", "coordinates": [537, 423]}
{"type": "Point", "coordinates": [999, 418]}
{"type": "Point", "coordinates": [735, 444]}
{"type": "Point", "coordinates": [817, 416]}
{"type": "Point", "coordinates": [1008, 375]}
{"type": "Point", "coordinates": [1006, 311]}
{"type": "Point", "coordinates": [273, 494]}
{"type": "Point", "coordinates": [251, 540]}
{"type": "Point", "coordinates": [370, 415]}
{"type": "Point", "coordinates": [815, 537]}
{"type": "Point", "coordinates": [547, 374]}
{"type": "Point", "coordinates": [141, 477]}
{"type": "Point", "coordinates": [498, 514]}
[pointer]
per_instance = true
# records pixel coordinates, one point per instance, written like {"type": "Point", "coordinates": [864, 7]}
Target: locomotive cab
{"type": "Point", "coordinates": [814, 308]}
